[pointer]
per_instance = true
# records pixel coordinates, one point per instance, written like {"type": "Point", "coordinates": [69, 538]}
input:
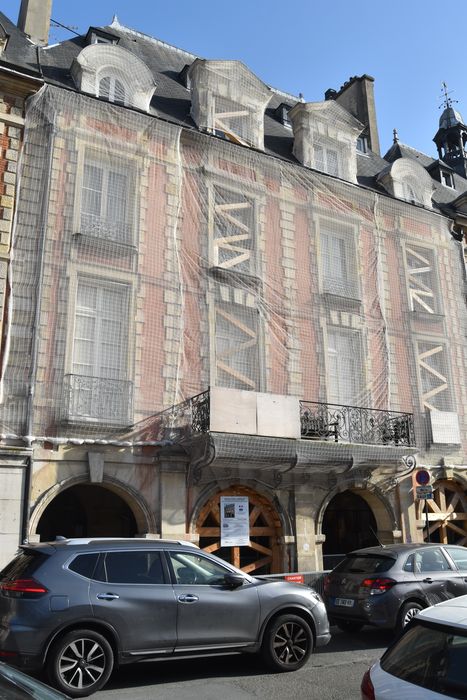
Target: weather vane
{"type": "Point", "coordinates": [447, 101]}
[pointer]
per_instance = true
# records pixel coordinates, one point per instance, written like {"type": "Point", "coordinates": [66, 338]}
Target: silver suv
{"type": "Point", "coordinates": [78, 608]}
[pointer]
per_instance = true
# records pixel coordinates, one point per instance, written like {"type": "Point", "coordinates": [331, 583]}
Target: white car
{"type": "Point", "coordinates": [429, 660]}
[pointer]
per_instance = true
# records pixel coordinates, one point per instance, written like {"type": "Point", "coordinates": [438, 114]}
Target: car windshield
{"type": "Point", "coordinates": [355, 564]}
{"type": "Point", "coordinates": [432, 657]}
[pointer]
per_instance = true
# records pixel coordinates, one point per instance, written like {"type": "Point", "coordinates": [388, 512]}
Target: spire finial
{"type": "Point", "coordinates": [395, 136]}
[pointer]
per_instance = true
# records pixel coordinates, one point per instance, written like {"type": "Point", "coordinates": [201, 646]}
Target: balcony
{"type": "Point", "coordinates": [272, 432]}
{"type": "Point", "coordinates": [224, 410]}
{"type": "Point", "coordinates": [353, 424]}
{"type": "Point", "coordinates": [97, 400]}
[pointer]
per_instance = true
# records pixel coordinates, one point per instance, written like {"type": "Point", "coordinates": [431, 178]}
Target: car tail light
{"type": "Point", "coordinates": [377, 586]}
{"type": "Point", "coordinates": [326, 584]}
{"type": "Point", "coordinates": [22, 588]}
{"type": "Point", "coordinates": [367, 687]}
{"type": "Point", "coordinates": [7, 654]}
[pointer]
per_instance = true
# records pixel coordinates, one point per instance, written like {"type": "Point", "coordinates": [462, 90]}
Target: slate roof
{"type": "Point", "coordinates": [20, 52]}
{"type": "Point", "coordinates": [171, 100]}
{"type": "Point", "coordinates": [442, 195]}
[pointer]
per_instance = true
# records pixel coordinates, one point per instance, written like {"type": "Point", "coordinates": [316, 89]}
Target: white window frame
{"type": "Point", "coordinates": [106, 228]}
{"type": "Point", "coordinates": [323, 163]}
{"type": "Point", "coordinates": [347, 285]}
{"type": "Point", "coordinates": [95, 384]}
{"type": "Point", "coordinates": [447, 179]}
{"type": "Point", "coordinates": [356, 338]}
{"type": "Point", "coordinates": [113, 79]}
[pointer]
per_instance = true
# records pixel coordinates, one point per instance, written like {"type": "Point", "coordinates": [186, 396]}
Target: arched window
{"type": "Point", "coordinates": [114, 74]}
{"type": "Point", "coordinates": [112, 89]}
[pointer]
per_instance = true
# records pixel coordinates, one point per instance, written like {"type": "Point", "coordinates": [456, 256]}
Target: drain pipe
{"type": "Point", "coordinates": [26, 499]}
{"type": "Point", "coordinates": [36, 328]}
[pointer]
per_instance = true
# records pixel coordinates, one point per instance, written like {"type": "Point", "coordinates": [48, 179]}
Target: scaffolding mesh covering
{"type": "Point", "coordinates": [153, 262]}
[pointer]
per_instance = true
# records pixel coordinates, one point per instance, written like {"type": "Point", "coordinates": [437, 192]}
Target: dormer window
{"type": "Point", "coordinates": [406, 179]}
{"type": "Point", "coordinates": [362, 144]}
{"type": "Point", "coordinates": [228, 101]}
{"type": "Point", "coordinates": [115, 74]}
{"type": "Point", "coordinates": [325, 136]}
{"type": "Point", "coordinates": [447, 179]}
{"type": "Point", "coordinates": [3, 40]}
{"type": "Point", "coordinates": [96, 35]}
{"type": "Point", "coordinates": [282, 113]}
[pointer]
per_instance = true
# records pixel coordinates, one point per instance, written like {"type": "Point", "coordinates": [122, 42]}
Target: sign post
{"type": "Point", "coordinates": [424, 490]}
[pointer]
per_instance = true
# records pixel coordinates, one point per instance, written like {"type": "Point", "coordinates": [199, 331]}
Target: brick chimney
{"type": "Point", "coordinates": [34, 20]}
{"type": "Point", "coordinates": [357, 96]}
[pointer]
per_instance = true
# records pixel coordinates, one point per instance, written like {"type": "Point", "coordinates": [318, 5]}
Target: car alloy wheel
{"type": "Point", "coordinates": [407, 613]}
{"type": "Point", "coordinates": [80, 663]}
{"type": "Point", "coordinates": [288, 642]}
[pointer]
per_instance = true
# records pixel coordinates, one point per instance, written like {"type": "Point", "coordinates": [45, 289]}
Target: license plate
{"type": "Point", "coordinates": [344, 602]}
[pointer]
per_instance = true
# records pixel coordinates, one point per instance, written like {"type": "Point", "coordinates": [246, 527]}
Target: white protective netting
{"type": "Point", "coordinates": [151, 262]}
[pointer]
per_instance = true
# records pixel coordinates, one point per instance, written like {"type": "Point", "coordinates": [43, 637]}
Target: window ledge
{"type": "Point", "coordinates": [110, 244]}
{"type": "Point", "coordinates": [228, 276]}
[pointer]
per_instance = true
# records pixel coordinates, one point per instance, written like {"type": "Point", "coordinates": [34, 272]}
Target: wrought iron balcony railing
{"type": "Point", "coordinates": [94, 399]}
{"type": "Point", "coordinates": [106, 229]}
{"type": "Point", "coordinates": [318, 421]}
{"type": "Point", "coordinates": [368, 426]}
{"type": "Point", "coordinates": [190, 416]}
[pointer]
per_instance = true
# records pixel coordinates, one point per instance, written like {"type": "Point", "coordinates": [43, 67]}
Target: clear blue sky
{"type": "Point", "coordinates": [307, 46]}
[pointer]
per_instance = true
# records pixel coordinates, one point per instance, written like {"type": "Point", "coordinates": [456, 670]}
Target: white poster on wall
{"type": "Point", "coordinates": [235, 521]}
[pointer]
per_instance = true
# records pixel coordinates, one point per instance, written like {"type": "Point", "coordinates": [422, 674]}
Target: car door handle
{"type": "Point", "coordinates": [188, 598]}
{"type": "Point", "coordinates": [107, 596]}
{"type": "Point", "coordinates": [428, 580]}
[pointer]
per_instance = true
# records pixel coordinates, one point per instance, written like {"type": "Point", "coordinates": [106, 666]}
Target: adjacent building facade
{"type": "Point", "coordinates": [218, 289]}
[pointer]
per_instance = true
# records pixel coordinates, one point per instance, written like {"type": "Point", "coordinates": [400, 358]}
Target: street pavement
{"type": "Point", "coordinates": [332, 673]}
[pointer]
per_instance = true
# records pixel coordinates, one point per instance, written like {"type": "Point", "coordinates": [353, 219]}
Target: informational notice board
{"type": "Point", "coordinates": [235, 521]}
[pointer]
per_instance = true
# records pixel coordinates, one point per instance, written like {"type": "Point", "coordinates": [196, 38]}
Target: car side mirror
{"type": "Point", "coordinates": [233, 580]}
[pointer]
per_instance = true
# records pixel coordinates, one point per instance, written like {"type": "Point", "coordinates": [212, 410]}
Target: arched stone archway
{"type": "Point", "coordinates": [264, 555]}
{"type": "Point", "coordinates": [82, 509]}
{"type": "Point", "coordinates": [348, 523]}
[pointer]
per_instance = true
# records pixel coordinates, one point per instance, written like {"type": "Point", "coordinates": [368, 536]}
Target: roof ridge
{"type": "Point", "coordinates": [117, 25]}
{"type": "Point", "coordinates": [415, 150]}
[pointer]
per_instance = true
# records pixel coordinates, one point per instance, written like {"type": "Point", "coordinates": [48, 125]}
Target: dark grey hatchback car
{"type": "Point", "coordinates": [79, 608]}
{"type": "Point", "coordinates": [386, 586]}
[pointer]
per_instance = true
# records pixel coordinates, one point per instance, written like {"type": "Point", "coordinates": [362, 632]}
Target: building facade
{"type": "Point", "coordinates": [221, 290]}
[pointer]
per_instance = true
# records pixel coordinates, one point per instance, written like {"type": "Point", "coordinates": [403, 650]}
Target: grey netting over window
{"type": "Point", "coordinates": [171, 261]}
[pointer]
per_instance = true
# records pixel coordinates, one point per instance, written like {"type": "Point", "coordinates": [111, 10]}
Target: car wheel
{"type": "Point", "coordinates": [349, 626]}
{"type": "Point", "coordinates": [287, 643]}
{"type": "Point", "coordinates": [80, 662]}
{"type": "Point", "coordinates": [406, 613]}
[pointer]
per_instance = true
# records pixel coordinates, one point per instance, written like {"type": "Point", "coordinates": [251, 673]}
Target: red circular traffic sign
{"type": "Point", "coordinates": [422, 477]}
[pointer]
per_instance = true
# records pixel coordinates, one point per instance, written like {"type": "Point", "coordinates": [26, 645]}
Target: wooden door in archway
{"type": "Point", "coordinates": [264, 555]}
{"type": "Point", "coordinates": [447, 513]}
